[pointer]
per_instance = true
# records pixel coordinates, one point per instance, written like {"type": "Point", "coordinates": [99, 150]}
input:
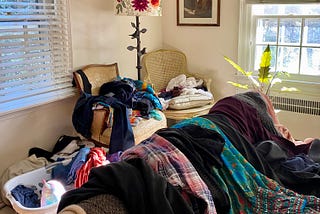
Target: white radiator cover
{"type": "Point", "coordinates": [299, 111]}
{"type": "Point", "coordinates": [302, 106]}
{"type": "Point", "coordinates": [300, 116]}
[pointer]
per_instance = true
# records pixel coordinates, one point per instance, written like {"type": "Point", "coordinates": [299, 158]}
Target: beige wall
{"type": "Point", "coordinates": [100, 37]}
{"type": "Point", "coordinates": [206, 46]}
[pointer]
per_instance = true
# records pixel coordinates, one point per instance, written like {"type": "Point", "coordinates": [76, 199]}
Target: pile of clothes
{"type": "Point", "coordinates": [70, 161]}
{"type": "Point", "coordinates": [184, 92]}
{"type": "Point", "coordinates": [126, 100]}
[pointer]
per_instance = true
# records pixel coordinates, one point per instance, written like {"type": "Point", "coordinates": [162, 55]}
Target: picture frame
{"type": "Point", "coordinates": [198, 12]}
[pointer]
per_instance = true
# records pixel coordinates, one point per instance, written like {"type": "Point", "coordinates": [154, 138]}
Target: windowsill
{"type": "Point", "coordinates": [7, 112]}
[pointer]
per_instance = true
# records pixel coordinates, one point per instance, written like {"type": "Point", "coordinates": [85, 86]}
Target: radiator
{"type": "Point", "coordinates": [296, 105]}
{"type": "Point", "coordinates": [304, 102]}
{"type": "Point", "coordinates": [300, 116]}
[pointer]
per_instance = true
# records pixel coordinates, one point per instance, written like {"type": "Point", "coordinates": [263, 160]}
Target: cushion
{"type": "Point", "coordinates": [188, 101]}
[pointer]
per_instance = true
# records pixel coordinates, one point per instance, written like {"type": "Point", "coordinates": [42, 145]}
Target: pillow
{"type": "Point", "coordinates": [188, 101]}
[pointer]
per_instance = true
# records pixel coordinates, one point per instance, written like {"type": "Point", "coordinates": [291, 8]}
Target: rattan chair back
{"type": "Point", "coordinates": [97, 74]}
{"type": "Point", "coordinates": [160, 66]}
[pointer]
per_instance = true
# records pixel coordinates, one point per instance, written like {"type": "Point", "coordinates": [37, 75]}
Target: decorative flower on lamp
{"type": "Point", "coordinates": [138, 7]}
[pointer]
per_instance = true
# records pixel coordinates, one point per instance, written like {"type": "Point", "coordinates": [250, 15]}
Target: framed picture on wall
{"type": "Point", "coordinates": [198, 12]}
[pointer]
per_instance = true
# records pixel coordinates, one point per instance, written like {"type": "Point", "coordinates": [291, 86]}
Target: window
{"type": "Point", "coordinates": [35, 53]}
{"type": "Point", "coordinates": [292, 31]}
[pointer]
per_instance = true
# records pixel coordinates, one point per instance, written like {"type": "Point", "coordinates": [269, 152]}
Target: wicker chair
{"type": "Point", "coordinates": [160, 66]}
{"type": "Point", "coordinates": [97, 74]}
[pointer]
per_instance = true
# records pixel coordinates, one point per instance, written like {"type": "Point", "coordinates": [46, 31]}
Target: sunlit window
{"type": "Point", "coordinates": [293, 33]}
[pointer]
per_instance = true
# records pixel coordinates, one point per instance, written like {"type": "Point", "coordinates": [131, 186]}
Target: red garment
{"type": "Point", "coordinates": [96, 157]}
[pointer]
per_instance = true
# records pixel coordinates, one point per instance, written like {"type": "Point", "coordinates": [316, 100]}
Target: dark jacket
{"type": "Point", "coordinates": [141, 190]}
{"type": "Point", "coordinates": [121, 136]}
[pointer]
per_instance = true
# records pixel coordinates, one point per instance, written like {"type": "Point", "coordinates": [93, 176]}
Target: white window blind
{"type": "Point", "coordinates": [35, 56]}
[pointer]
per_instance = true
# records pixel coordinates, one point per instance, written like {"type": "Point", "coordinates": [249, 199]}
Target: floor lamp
{"type": "Point", "coordinates": [138, 8]}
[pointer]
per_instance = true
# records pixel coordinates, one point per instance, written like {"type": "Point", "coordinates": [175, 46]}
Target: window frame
{"type": "Point", "coordinates": [308, 85]}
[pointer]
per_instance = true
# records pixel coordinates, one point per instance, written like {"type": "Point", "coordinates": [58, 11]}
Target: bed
{"type": "Point", "coordinates": [234, 159]}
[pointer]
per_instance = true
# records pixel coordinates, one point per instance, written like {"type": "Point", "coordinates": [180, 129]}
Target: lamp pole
{"type": "Point", "coordinates": [136, 35]}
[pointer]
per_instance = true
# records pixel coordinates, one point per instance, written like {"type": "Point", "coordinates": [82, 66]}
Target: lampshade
{"type": "Point", "coordinates": [138, 7]}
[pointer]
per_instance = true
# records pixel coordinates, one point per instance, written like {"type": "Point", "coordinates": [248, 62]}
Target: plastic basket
{"type": "Point", "coordinates": [32, 178]}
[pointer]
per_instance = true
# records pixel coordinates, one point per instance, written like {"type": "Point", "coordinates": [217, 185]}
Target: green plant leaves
{"type": "Point", "coordinates": [266, 58]}
{"type": "Point", "coordinates": [236, 66]}
{"type": "Point", "coordinates": [238, 85]}
{"type": "Point", "coordinates": [264, 71]}
{"type": "Point", "coordinates": [265, 79]}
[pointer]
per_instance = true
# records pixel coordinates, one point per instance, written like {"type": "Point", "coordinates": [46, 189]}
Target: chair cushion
{"type": "Point", "coordinates": [101, 131]}
{"type": "Point", "coordinates": [188, 101]}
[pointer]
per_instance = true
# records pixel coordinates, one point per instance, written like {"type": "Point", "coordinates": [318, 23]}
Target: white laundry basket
{"type": "Point", "coordinates": [33, 178]}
